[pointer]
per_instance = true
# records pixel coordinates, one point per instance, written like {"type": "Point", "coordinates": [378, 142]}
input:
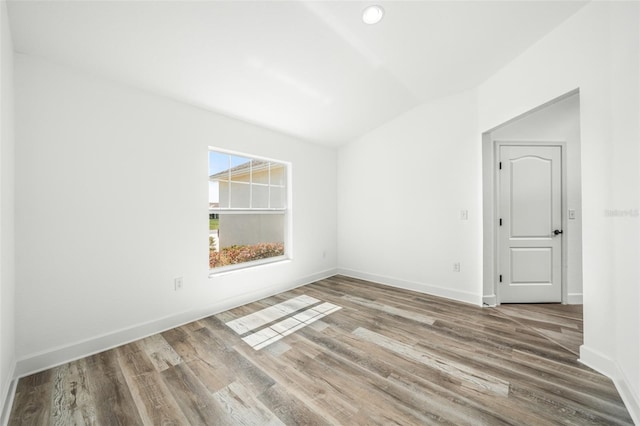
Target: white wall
{"type": "Point", "coordinates": [7, 270]}
{"type": "Point", "coordinates": [112, 205]}
{"type": "Point", "coordinates": [401, 190]}
{"type": "Point", "coordinates": [596, 51]}
{"type": "Point", "coordinates": [558, 122]}
{"type": "Point", "coordinates": [625, 183]}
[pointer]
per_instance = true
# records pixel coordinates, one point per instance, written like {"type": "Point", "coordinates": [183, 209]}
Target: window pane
{"type": "Point", "coordinates": [240, 195]}
{"type": "Point", "coordinates": [223, 188]}
{"type": "Point", "coordinates": [218, 162]}
{"type": "Point", "coordinates": [277, 174]}
{"type": "Point", "coordinates": [242, 229]}
{"type": "Point", "coordinates": [214, 194]}
{"type": "Point", "coordinates": [240, 169]}
{"type": "Point", "coordinates": [218, 179]}
{"type": "Point", "coordinates": [277, 197]}
{"type": "Point", "coordinates": [261, 172]}
{"type": "Point", "coordinates": [260, 194]}
{"type": "Point", "coordinates": [246, 237]}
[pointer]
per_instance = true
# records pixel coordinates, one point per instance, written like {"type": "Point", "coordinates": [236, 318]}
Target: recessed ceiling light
{"type": "Point", "coordinates": [372, 14]}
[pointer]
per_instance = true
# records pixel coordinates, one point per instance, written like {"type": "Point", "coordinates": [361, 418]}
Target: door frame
{"type": "Point", "coordinates": [564, 291]}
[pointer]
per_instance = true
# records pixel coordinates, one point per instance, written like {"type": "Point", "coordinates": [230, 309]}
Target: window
{"type": "Point", "coordinates": [247, 210]}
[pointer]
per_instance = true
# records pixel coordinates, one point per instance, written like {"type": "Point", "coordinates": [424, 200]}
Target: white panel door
{"type": "Point", "coordinates": [530, 224]}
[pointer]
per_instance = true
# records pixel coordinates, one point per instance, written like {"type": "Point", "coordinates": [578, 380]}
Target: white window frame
{"type": "Point", "coordinates": [286, 210]}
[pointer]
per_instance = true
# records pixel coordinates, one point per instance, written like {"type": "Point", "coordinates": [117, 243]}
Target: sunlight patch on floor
{"type": "Point", "coordinates": [267, 326]}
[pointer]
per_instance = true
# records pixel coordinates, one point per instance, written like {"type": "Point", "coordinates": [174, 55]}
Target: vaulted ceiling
{"type": "Point", "coordinates": [310, 69]}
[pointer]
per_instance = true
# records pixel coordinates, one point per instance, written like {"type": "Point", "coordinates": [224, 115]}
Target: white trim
{"type": "Point", "coordinates": [629, 397]}
{"type": "Point", "coordinates": [213, 272]}
{"type": "Point", "coordinates": [574, 298]}
{"type": "Point", "coordinates": [57, 356]}
{"type": "Point", "coordinates": [460, 296]}
{"type": "Point", "coordinates": [8, 394]}
{"type": "Point", "coordinates": [490, 300]}
{"type": "Point", "coordinates": [596, 360]}
{"type": "Point", "coordinates": [248, 211]}
{"type": "Point", "coordinates": [605, 365]}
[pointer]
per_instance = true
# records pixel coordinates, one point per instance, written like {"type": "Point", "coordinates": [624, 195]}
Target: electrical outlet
{"type": "Point", "coordinates": [456, 267]}
{"type": "Point", "coordinates": [178, 283]}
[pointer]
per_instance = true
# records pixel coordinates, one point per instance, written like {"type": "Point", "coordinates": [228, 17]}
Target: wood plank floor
{"type": "Point", "coordinates": [387, 357]}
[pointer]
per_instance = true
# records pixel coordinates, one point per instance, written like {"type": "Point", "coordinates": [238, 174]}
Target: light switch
{"type": "Point", "coordinates": [464, 214]}
{"type": "Point", "coordinates": [572, 214]}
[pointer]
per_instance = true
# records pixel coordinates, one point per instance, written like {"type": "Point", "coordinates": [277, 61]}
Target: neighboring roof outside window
{"type": "Point", "coordinates": [244, 169]}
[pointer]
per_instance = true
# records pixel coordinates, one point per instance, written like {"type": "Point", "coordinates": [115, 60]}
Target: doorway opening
{"type": "Point", "coordinates": [532, 207]}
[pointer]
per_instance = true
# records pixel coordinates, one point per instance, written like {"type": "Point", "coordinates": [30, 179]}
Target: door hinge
{"type": "Point", "coordinates": [500, 221]}
{"type": "Point", "coordinates": [500, 278]}
{"type": "Point", "coordinates": [500, 165]}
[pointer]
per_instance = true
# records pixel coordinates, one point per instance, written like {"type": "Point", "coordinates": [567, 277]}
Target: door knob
{"type": "Point", "coordinates": [556, 232]}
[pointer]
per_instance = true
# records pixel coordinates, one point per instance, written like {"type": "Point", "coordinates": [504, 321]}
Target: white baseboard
{"type": "Point", "coordinates": [574, 299]}
{"type": "Point", "coordinates": [599, 362]}
{"type": "Point", "coordinates": [605, 365]}
{"type": "Point", "coordinates": [8, 393]}
{"type": "Point", "coordinates": [63, 354]}
{"type": "Point", "coordinates": [490, 300]}
{"type": "Point", "coordinates": [629, 397]}
{"type": "Point", "coordinates": [460, 296]}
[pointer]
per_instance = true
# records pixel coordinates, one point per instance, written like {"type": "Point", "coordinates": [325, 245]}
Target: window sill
{"type": "Point", "coordinates": [223, 270]}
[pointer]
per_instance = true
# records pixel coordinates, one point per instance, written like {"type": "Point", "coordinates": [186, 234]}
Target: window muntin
{"type": "Point", "coordinates": [249, 197]}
